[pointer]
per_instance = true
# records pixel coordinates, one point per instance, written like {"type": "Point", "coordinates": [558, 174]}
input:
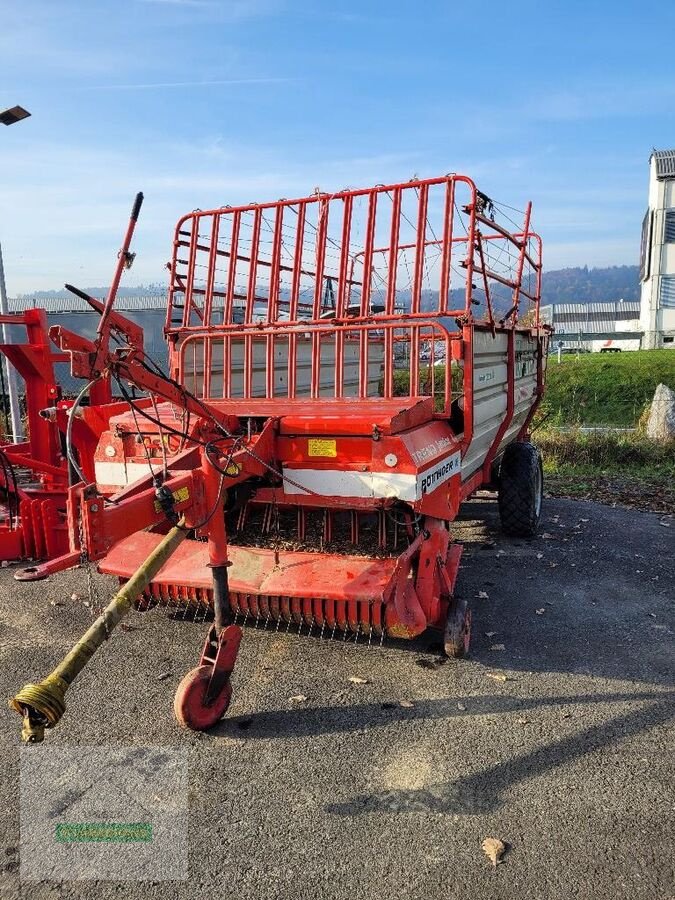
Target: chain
{"type": "Point", "coordinates": [93, 599]}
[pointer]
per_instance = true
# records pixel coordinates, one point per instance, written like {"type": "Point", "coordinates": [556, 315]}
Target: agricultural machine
{"type": "Point", "coordinates": [340, 381]}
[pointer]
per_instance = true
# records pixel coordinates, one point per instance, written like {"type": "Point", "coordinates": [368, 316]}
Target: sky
{"type": "Point", "coordinates": [204, 103]}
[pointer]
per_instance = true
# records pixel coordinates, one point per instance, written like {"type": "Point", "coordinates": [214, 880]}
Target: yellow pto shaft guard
{"type": "Point", "coordinates": [42, 705]}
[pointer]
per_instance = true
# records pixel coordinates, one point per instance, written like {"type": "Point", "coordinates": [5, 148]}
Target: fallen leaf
{"type": "Point", "coordinates": [406, 704]}
{"type": "Point", "coordinates": [497, 676]}
{"type": "Point", "coordinates": [540, 555]}
{"type": "Point", "coordinates": [494, 849]}
{"type": "Point", "coordinates": [461, 707]}
{"type": "Point", "coordinates": [298, 698]}
{"type": "Point", "coordinates": [483, 595]}
{"type": "Point", "coordinates": [356, 679]}
{"type": "Point", "coordinates": [541, 611]}
{"type": "Point", "coordinates": [497, 647]}
{"type": "Point", "coordinates": [75, 597]}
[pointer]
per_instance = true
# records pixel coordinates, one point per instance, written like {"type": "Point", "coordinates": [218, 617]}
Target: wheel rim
{"type": "Point", "coordinates": [189, 704]}
{"type": "Point", "coordinates": [538, 490]}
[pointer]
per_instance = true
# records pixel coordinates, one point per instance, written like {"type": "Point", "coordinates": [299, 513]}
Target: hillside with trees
{"type": "Point", "coordinates": [574, 285]}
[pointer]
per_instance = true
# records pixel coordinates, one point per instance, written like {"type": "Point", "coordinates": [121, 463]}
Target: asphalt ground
{"type": "Point", "coordinates": [349, 794]}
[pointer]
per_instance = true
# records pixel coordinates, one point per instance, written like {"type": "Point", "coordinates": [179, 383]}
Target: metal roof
{"type": "Point", "coordinates": [74, 304]}
{"type": "Point", "coordinates": [665, 163]}
{"type": "Point", "coordinates": [574, 317]}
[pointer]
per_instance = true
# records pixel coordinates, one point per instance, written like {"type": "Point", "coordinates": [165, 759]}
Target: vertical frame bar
{"type": "Point", "coordinates": [521, 261]}
{"type": "Point", "coordinates": [191, 270]}
{"type": "Point", "coordinates": [232, 271]}
{"type": "Point", "coordinates": [321, 235]}
{"type": "Point", "coordinates": [446, 254]}
{"type": "Point", "coordinates": [340, 309]}
{"type": "Point", "coordinates": [211, 274]}
{"type": "Point", "coordinates": [470, 246]}
{"type": "Point", "coordinates": [416, 296]}
{"type": "Point", "coordinates": [250, 302]}
{"type": "Point", "coordinates": [364, 337]}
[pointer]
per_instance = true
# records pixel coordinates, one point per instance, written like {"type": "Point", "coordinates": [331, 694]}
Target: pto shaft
{"type": "Point", "coordinates": [42, 705]}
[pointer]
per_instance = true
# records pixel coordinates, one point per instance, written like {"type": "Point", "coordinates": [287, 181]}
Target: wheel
{"type": "Point", "coordinates": [458, 630]}
{"type": "Point", "coordinates": [521, 489]}
{"type": "Point", "coordinates": [189, 705]}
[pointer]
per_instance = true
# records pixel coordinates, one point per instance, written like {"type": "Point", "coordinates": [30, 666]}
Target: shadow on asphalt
{"type": "Point", "coordinates": [483, 791]}
{"type": "Point", "coordinates": [312, 721]}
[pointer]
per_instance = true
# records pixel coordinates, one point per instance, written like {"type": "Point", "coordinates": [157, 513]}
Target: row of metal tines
{"type": "Point", "coordinates": [319, 617]}
{"type": "Point", "coordinates": [366, 530]}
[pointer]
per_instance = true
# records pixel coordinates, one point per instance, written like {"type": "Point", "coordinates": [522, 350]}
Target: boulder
{"type": "Point", "coordinates": [661, 422]}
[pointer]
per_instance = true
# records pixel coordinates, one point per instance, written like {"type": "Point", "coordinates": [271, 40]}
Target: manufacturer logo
{"type": "Point", "coordinates": [432, 478]}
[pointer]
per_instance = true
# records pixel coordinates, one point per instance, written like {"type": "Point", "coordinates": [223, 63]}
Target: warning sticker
{"type": "Point", "coordinates": [178, 497]}
{"type": "Point", "coordinates": [321, 447]}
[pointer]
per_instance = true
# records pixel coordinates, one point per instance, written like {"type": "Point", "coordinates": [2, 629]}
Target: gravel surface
{"type": "Point", "coordinates": [555, 736]}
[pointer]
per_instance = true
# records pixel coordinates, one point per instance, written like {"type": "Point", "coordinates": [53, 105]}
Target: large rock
{"type": "Point", "coordinates": [661, 422]}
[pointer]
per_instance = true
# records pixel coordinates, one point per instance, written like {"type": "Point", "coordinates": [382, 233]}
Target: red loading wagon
{"type": "Point", "coordinates": [345, 370]}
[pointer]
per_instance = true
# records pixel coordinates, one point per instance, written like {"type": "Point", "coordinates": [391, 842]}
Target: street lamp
{"type": "Point", "coordinates": [10, 117]}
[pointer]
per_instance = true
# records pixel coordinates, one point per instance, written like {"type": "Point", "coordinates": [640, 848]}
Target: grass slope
{"type": "Point", "coordinates": [605, 388]}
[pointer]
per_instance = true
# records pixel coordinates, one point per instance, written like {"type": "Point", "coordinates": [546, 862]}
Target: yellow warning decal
{"type": "Point", "coordinates": [321, 447]}
{"type": "Point", "coordinates": [179, 496]}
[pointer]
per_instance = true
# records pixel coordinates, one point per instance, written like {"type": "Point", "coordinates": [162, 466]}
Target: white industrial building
{"type": "Point", "coordinates": [657, 254]}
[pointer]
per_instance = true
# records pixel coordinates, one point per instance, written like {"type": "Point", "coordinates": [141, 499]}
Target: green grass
{"type": "Point", "coordinates": [605, 388]}
{"type": "Point", "coordinates": [600, 450]}
{"type": "Point", "coordinates": [614, 467]}
{"type": "Point", "coordinates": [594, 389]}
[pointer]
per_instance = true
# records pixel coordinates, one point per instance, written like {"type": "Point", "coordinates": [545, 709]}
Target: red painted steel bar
{"type": "Point", "coordinates": [321, 236]}
{"type": "Point", "coordinates": [211, 274]}
{"type": "Point", "coordinates": [232, 268]}
{"type": "Point", "coordinates": [471, 243]}
{"type": "Point", "coordinates": [340, 303]}
{"type": "Point", "coordinates": [446, 253]}
{"type": "Point", "coordinates": [369, 241]}
{"type": "Point", "coordinates": [521, 260]}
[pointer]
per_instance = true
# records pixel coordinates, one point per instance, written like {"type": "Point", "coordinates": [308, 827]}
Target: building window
{"type": "Point", "coordinates": [669, 227]}
{"type": "Point", "coordinates": [645, 246]}
{"type": "Point", "coordinates": [667, 297]}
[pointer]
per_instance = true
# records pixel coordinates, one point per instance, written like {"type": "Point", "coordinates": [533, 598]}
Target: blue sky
{"type": "Point", "coordinates": [201, 103]}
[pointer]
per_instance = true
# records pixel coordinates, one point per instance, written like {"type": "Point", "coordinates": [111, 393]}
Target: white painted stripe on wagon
{"type": "Point", "coordinates": [346, 483]}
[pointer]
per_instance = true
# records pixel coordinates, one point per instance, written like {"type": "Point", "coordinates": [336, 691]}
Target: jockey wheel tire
{"type": "Point", "coordinates": [458, 630]}
{"type": "Point", "coordinates": [189, 703]}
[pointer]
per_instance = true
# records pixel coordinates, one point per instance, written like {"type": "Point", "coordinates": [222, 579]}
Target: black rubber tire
{"type": "Point", "coordinates": [521, 489]}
